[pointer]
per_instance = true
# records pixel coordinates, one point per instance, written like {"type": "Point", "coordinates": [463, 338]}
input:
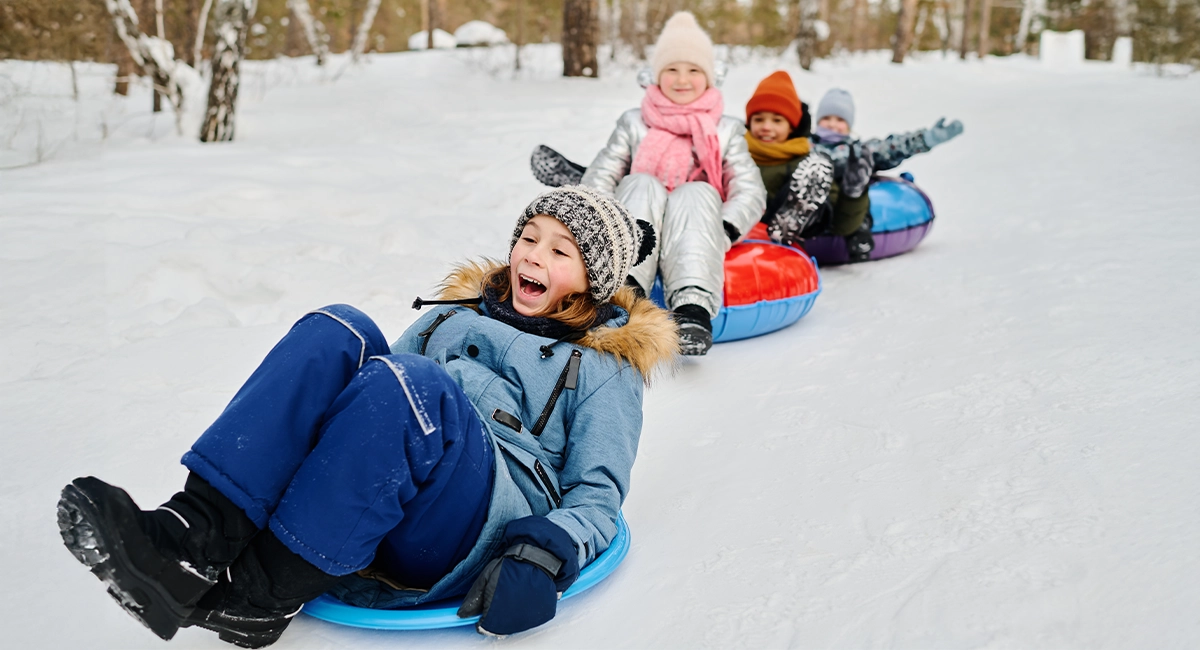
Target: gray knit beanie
{"type": "Point", "coordinates": [611, 241]}
{"type": "Point", "coordinates": [836, 102]}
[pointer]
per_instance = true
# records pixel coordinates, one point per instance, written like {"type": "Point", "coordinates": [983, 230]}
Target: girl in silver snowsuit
{"type": "Point", "coordinates": [698, 219]}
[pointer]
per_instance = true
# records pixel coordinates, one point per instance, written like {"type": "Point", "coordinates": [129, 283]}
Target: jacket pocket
{"type": "Point", "coordinates": [536, 475]}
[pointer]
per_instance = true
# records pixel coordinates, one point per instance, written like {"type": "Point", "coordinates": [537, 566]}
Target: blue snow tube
{"type": "Point", "coordinates": [902, 215]}
{"type": "Point", "coordinates": [443, 614]}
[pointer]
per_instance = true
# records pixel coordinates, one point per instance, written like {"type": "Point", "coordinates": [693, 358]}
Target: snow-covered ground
{"type": "Point", "coordinates": [991, 442]}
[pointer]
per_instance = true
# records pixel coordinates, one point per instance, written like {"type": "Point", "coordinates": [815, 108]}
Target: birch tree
{"type": "Point", "coordinates": [1029, 10]}
{"type": "Point", "coordinates": [201, 29]}
{"type": "Point", "coordinates": [364, 29]}
{"type": "Point", "coordinates": [161, 32]}
{"type": "Point", "coordinates": [232, 21]}
{"type": "Point", "coordinates": [314, 30]}
{"type": "Point", "coordinates": [154, 55]}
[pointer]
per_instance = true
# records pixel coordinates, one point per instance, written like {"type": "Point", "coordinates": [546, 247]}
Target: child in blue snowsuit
{"type": "Point", "coordinates": [486, 452]}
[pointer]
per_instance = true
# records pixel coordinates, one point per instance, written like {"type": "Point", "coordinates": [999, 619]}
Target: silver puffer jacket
{"type": "Point", "coordinates": [745, 195]}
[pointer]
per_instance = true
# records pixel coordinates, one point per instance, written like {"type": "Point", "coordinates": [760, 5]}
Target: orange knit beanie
{"type": "Point", "coordinates": [777, 94]}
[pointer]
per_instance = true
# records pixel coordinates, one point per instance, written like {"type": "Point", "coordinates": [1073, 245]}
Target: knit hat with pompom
{"type": "Point", "coordinates": [611, 241]}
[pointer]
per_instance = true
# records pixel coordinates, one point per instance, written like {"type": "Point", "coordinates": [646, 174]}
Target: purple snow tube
{"type": "Point", "coordinates": [902, 215]}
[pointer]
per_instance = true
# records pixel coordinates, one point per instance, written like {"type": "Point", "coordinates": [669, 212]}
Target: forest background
{"type": "Point", "coordinates": [1162, 31]}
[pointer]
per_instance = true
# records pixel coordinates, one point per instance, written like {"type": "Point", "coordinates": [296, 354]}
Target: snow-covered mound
{"type": "Point", "coordinates": [989, 442]}
{"type": "Point", "coordinates": [442, 40]}
{"type": "Point", "coordinates": [479, 32]}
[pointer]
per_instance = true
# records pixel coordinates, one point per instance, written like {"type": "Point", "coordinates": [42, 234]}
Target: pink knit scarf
{"type": "Point", "coordinates": [675, 131]}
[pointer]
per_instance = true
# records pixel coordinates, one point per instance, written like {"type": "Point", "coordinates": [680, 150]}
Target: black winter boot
{"type": "Point", "coordinates": [808, 189]}
{"type": "Point", "coordinates": [157, 564]}
{"type": "Point", "coordinates": [256, 599]}
{"type": "Point", "coordinates": [695, 329]}
{"type": "Point", "coordinates": [860, 243]}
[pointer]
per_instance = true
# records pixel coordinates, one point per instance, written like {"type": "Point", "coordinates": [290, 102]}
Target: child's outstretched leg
{"type": "Point", "coordinates": [158, 563]}
{"type": "Point", "coordinates": [401, 459]}
{"type": "Point", "coordinates": [692, 262]}
{"type": "Point", "coordinates": [808, 189]}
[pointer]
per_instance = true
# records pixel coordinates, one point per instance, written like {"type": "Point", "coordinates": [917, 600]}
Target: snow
{"type": "Point", "coordinates": [442, 40]}
{"type": "Point", "coordinates": [1122, 52]}
{"type": "Point", "coordinates": [989, 442]}
{"type": "Point", "coordinates": [479, 32]}
{"type": "Point", "coordinates": [1061, 49]}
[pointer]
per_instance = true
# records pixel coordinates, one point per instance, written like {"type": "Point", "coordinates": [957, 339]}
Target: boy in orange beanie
{"type": "Point", "coordinates": [798, 181]}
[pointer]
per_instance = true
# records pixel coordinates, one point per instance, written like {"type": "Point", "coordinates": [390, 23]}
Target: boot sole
{"type": "Point", "coordinates": [137, 593]}
{"type": "Point", "coordinates": [226, 628]}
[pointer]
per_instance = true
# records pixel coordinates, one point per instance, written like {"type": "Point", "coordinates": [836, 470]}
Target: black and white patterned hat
{"type": "Point", "coordinates": [611, 241]}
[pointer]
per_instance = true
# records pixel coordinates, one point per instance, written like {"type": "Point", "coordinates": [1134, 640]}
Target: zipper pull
{"type": "Point", "coordinates": [573, 370]}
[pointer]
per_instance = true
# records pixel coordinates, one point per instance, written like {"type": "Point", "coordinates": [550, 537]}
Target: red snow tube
{"type": "Point", "coordinates": [768, 286]}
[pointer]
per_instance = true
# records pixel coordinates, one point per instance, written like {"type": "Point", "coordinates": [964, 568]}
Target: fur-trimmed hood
{"type": "Point", "coordinates": [648, 340]}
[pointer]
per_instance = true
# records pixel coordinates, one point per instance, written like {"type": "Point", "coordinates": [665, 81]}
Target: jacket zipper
{"type": "Point", "coordinates": [428, 333]}
{"type": "Point", "coordinates": [541, 472]}
{"type": "Point", "coordinates": [568, 379]}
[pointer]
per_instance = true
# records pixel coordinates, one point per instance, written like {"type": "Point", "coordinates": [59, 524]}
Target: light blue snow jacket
{"type": "Point", "coordinates": [588, 408]}
{"type": "Point", "coordinates": [565, 423]}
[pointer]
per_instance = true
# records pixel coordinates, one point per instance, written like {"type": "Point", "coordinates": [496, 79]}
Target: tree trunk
{"type": "Point", "coordinates": [313, 31]}
{"type": "Point", "coordinates": [806, 34]}
{"type": "Point", "coordinates": [155, 56]}
{"type": "Point", "coordinates": [201, 29]}
{"type": "Point", "coordinates": [364, 29]}
{"type": "Point", "coordinates": [232, 21]}
{"type": "Point", "coordinates": [520, 40]}
{"type": "Point", "coordinates": [1028, 10]}
{"type": "Point", "coordinates": [125, 70]}
{"type": "Point", "coordinates": [641, 27]}
{"type": "Point", "coordinates": [579, 39]}
{"type": "Point", "coordinates": [435, 19]}
{"type": "Point", "coordinates": [966, 30]}
{"type": "Point", "coordinates": [942, 22]}
{"type": "Point", "coordinates": [614, 29]}
{"type": "Point", "coordinates": [858, 26]}
{"type": "Point", "coordinates": [985, 26]}
{"type": "Point", "coordinates": [904, 30]}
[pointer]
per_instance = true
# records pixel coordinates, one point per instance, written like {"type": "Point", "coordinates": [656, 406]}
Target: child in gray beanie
{"type": "Point", "coordinates": [484, 454]}
{"type": "Point", "coordinates": [854, 161]}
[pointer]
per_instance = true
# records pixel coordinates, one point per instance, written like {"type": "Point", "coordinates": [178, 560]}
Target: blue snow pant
{"type": "Point", "coordinates": [343, 449]}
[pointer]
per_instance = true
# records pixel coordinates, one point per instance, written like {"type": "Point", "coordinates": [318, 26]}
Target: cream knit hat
{"type": "Point", "coordinates": [682, 40]}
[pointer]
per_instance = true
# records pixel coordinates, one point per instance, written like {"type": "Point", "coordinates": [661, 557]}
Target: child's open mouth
{"type": "Point", "coordinates": [531, 287]}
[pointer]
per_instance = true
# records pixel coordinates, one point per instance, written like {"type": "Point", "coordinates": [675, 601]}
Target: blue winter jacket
{"type": "Point", "coordinates": [566, 425]}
